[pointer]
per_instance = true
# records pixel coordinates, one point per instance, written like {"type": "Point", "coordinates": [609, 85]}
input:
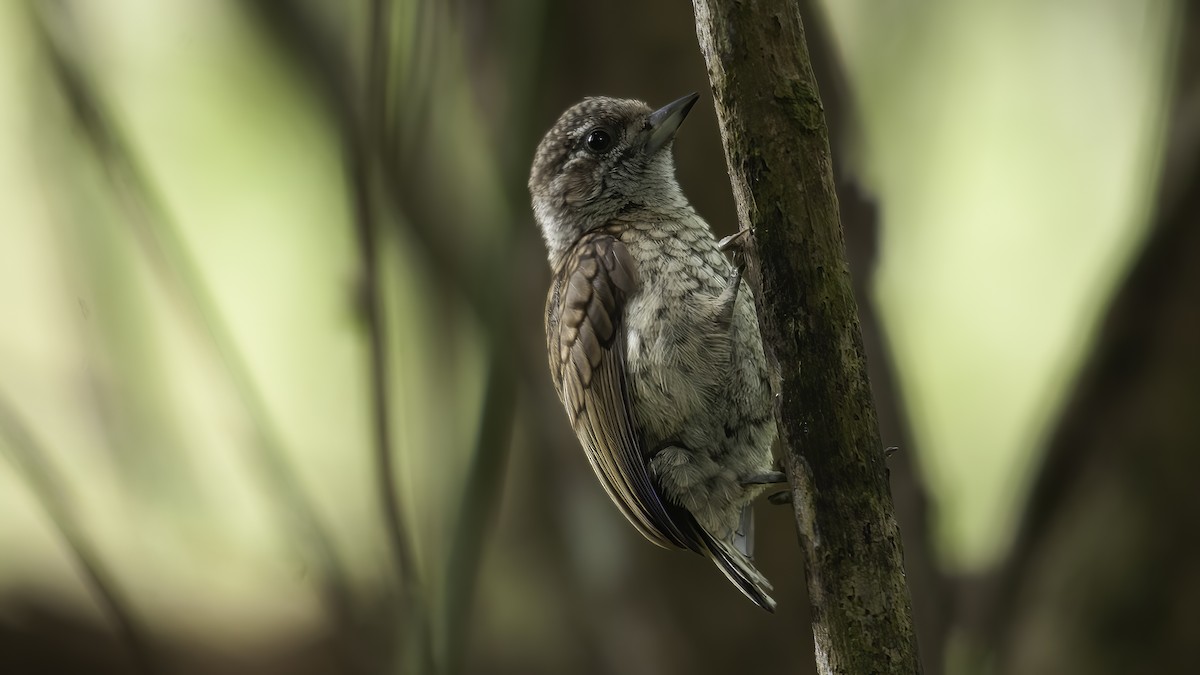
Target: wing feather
{"type": "Point", "coordinates": [585, 333]}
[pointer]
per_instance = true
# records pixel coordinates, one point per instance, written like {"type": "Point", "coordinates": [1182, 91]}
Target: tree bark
{"type": "Point", "coordinates": [777, 147]}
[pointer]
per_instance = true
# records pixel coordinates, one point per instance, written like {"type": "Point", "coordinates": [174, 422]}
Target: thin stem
{"type": "Point", "coordinates": [170, 259]}
{"type": "Point", "coordinates": [33, 462]}
{"type": "Point", "coordinates": [481, 501]}
{"type": "Point", "coordinates": [357, 140]}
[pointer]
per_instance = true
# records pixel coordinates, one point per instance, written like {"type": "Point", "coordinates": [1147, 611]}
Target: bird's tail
{"type": "Point", "coordinates": [738, 569]}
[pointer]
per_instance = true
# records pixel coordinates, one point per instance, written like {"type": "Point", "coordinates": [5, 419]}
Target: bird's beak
{"type": "Point", "coordinates": [666, 120]}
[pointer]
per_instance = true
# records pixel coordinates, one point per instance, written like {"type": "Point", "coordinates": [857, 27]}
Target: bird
{"type": "Point", "coordinates": [652, 341]}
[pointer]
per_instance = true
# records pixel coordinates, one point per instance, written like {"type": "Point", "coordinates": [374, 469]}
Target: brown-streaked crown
{"type": "Point", "coordinates": [569, 134]}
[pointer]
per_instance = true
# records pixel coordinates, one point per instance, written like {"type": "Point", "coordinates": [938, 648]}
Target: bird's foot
{"type": "Point", "coordinates": [891, 450]}
{"type": "Point", "coordinates": [735, 244]}
{"type": "Point", "coordinates": [778, 498]}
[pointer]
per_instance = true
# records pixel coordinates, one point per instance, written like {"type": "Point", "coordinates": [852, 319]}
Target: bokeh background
{"type": "Point", "coordinates": [273, 395]}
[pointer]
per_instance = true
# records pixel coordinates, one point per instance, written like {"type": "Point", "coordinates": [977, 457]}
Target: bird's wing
{"type": "Point", "coordinates": [586, 339]}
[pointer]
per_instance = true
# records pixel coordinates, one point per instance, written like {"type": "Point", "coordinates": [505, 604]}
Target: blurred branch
{"type": "Point", "coordinates": [481, 500]}
{"type": "Point", "coordinates": [1113, 505]}
{"type": "Point", "coordinates": [356, 141]}
{"type": "Point", "coordinates": [466, 275]}
{"type": "Point", "coordinates": [765, 90]}
{"type": "Point", "coordinates": [33, 463]}
{"type": "Point", "coordinates": [171, 261]}
{"type": "Point", "coordinates": [320, 54]}
{"type": "Point", "coordinates": [407, 123]}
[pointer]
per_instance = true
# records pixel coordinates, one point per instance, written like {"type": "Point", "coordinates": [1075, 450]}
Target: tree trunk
{"type": "Point", "coordinates": [777, 148]}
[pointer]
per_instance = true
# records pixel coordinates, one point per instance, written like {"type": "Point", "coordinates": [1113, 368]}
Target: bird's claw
{"type": "Point", "coordinates": [736, 242]}
{"type": "Point", "coordinates": [780, 498]}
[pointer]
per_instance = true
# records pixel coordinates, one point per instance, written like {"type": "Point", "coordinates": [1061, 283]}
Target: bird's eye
{"type": "Point", "coordinates": [598, 140]}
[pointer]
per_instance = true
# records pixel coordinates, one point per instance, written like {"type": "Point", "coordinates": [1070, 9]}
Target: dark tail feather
{"type": "Point", "coordinates": [738, 569]}
{"type": "Point", "coordinates": [735, 565]}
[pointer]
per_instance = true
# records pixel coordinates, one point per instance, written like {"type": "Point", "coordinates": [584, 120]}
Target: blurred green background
{"type": "Point", "coordinates": [211, 209]}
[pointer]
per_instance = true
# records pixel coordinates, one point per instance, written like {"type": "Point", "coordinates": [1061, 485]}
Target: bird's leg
{"type": "Point", "coordinates": [735, 244]}
{"type": "Point", "coordinates": [727, 301]}
{"type": "Point", "coordinates": [771, 478]}
{"type": "Point", "coordinates": [768, 478]}
{"type": "Point", "coordinates": [775, 477]}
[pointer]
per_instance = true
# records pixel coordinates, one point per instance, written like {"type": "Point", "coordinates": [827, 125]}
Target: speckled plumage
{"type": "Point", "coordinates": [657, 360]}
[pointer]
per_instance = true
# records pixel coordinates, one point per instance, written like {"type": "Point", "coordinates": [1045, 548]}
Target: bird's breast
{"type": "Point", "coordinates": [676, 356]}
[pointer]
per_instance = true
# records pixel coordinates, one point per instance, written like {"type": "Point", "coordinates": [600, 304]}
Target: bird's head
{"type": "Point", "coordinates": [603, 156]}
